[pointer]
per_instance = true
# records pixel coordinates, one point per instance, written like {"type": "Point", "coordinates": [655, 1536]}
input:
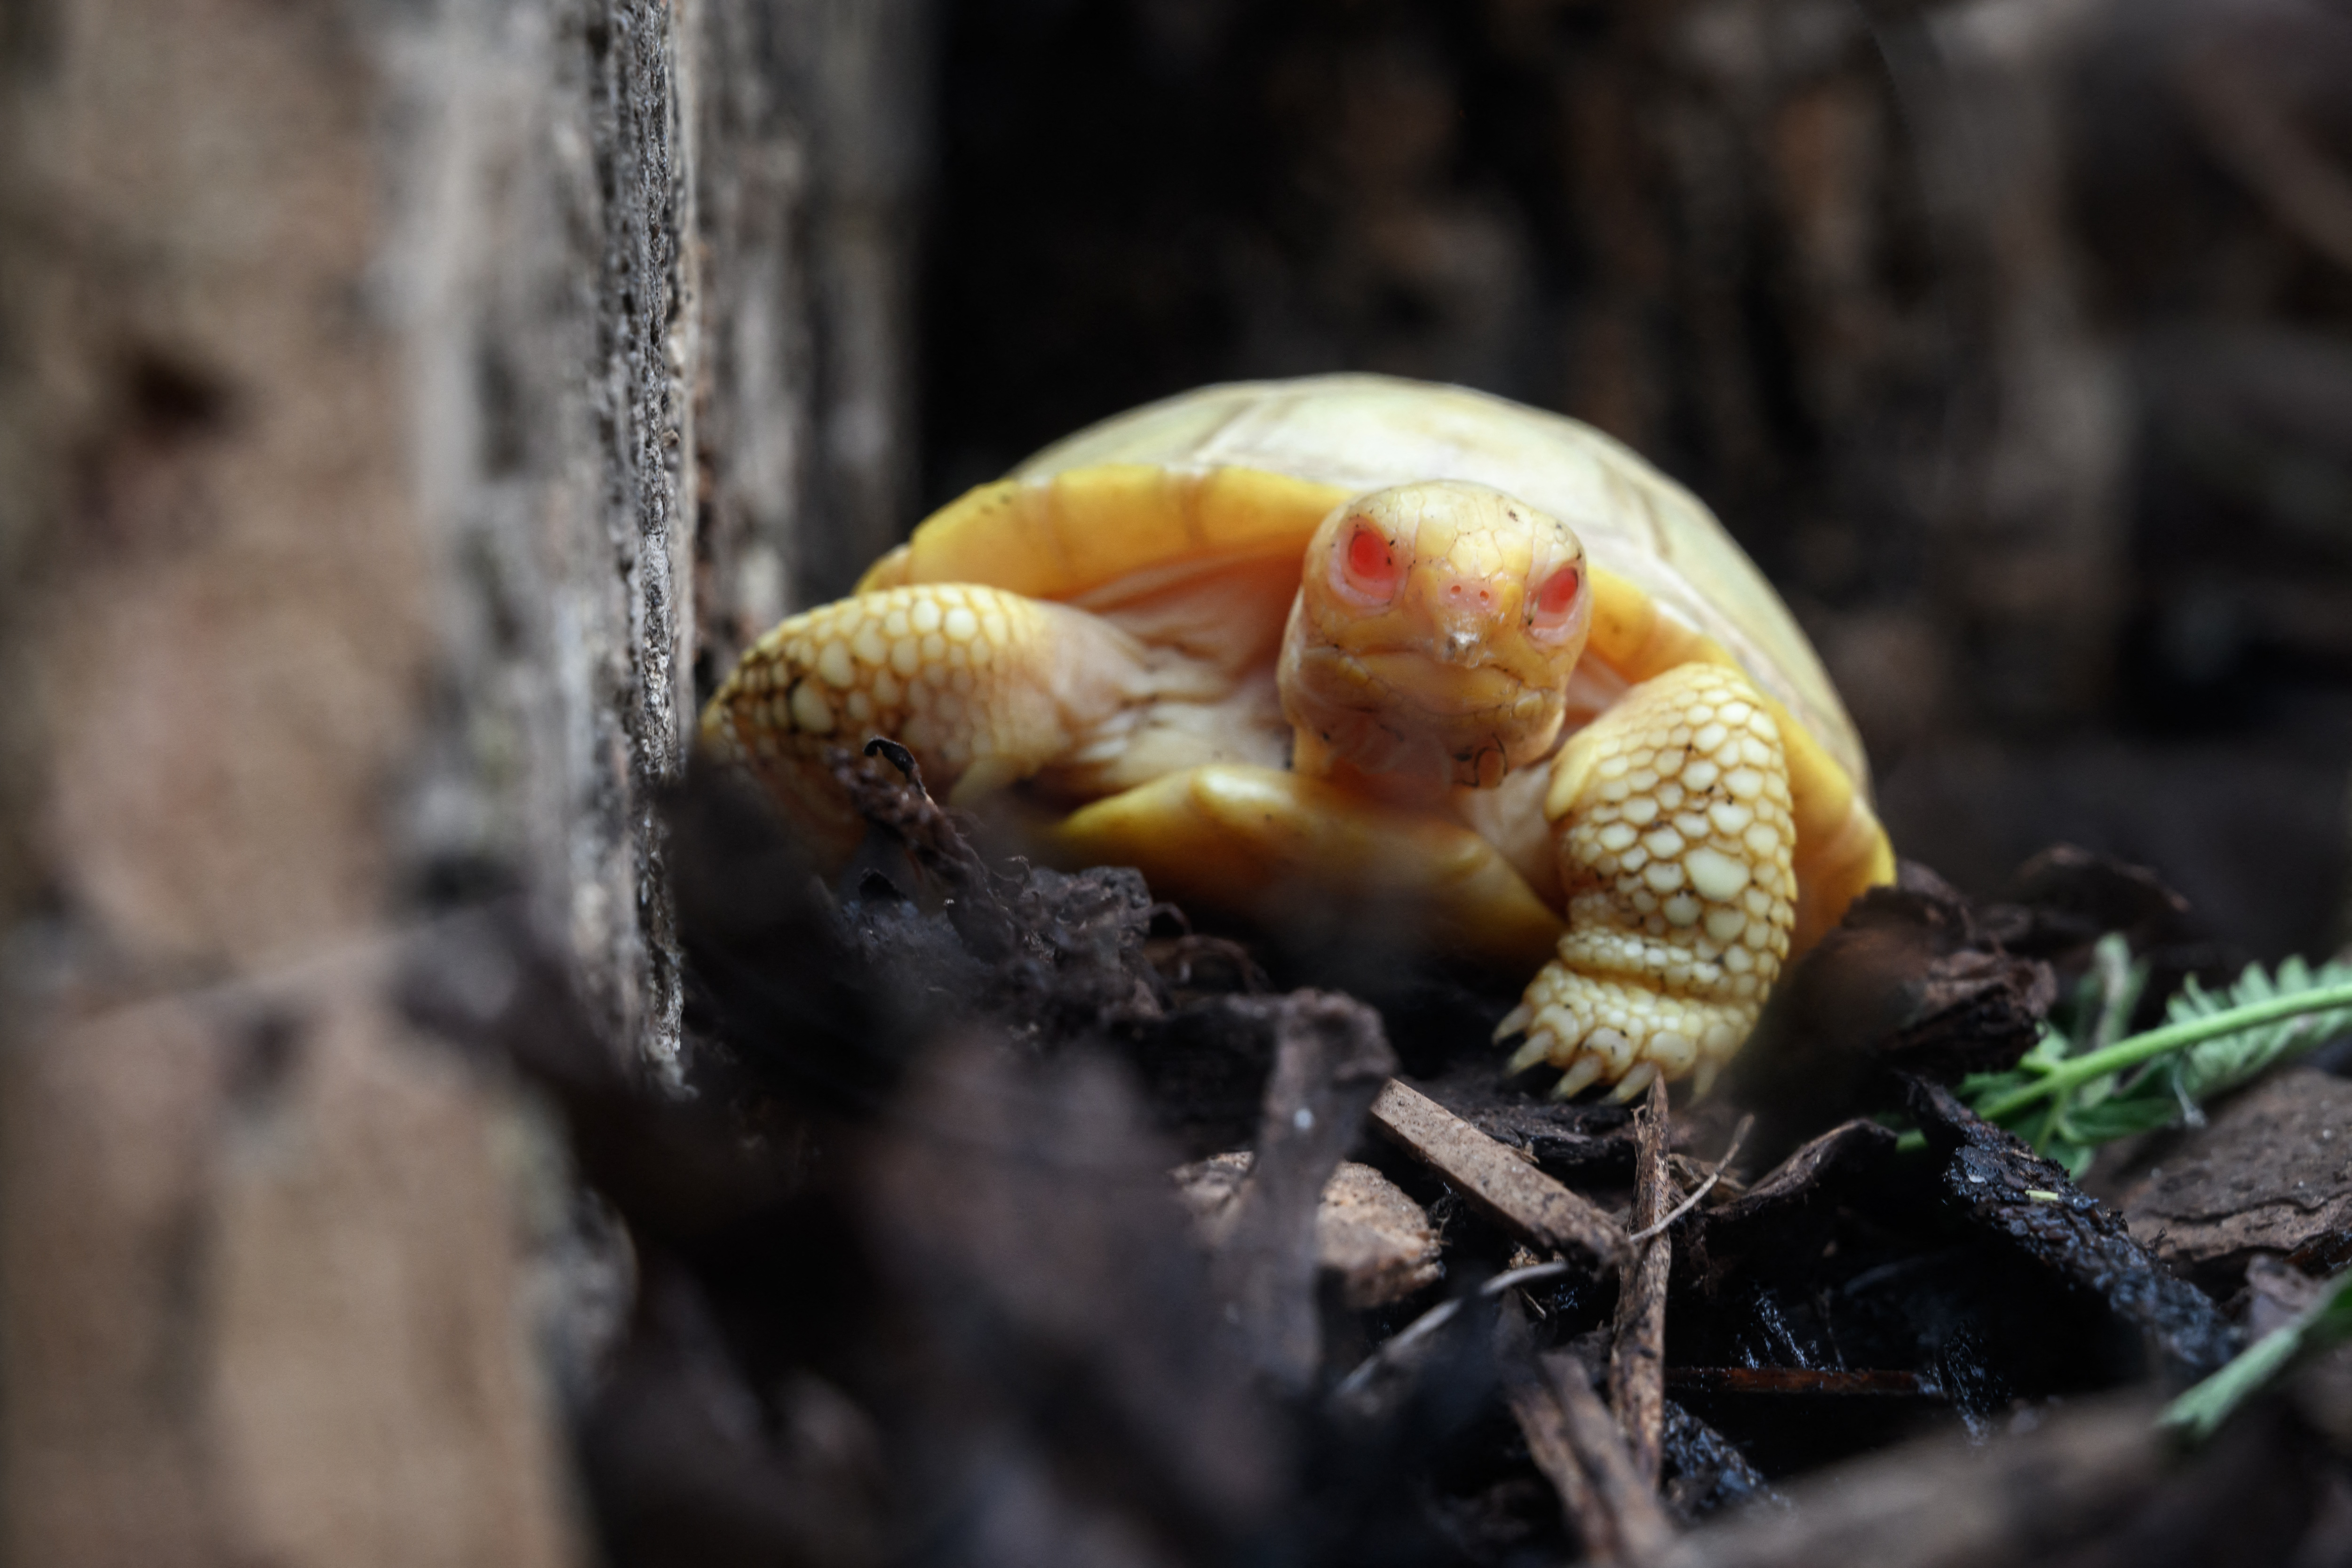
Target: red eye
{"type": "Point", "coordinates": [1368, 567]}
{"type": "Point", "coordinates": [1556, 601]}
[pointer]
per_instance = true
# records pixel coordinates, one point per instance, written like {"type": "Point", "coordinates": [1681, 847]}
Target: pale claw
{"type": "Point", "coordinates": [1633, 1082]}
{"type": "Point", "coordinates": [1614, 1049]}
{"type": "Point", "coordinates": [1703, 1078]}
{"type": "Point", "coordinates": [1537, 1048]}
{"type": "Point", "coordinates": [1582, 1075]}
{"type": "Point", "coordinates": [1518, 1018]}
{"type": "Point", "coordinates": [1674, 1053]}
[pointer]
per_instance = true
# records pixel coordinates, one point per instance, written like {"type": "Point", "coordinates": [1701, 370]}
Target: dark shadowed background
{"type": "Point", "coordinates": [2013, 340]}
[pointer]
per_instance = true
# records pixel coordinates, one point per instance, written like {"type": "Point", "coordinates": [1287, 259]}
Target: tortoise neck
{"type": "Point", "coordinates": [1314, 757]}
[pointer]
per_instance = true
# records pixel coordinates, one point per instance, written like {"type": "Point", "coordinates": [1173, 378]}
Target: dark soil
{"type": "Point", "coordinates": [913, 1288]}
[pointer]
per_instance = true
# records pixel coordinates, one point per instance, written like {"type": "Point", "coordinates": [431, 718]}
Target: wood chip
{"type": "Point", "coordinates": [1579, 1448]}
{"type": "Point", "coordinates": [1368, 1236]}
{"type": "Point", "coordinates": [1376, 1239]}
{"type": "Point", "coordinates": [1630, 1496]}
{"type": "Point", "coordinates": [1544, 1423]}
{"type": "Point", "coordinates": [2053, 1495]}
{"type": "Point", "coordinates": [1330, 1059]}
{"type": "Point", "coordinates": [1856, 1150]}
{"type": "Point", "coordinates": [1996, 1185]}
{"type": "Point", "coordinates": [1530, 1204]}
{"type": "Point", "coordinates": [1637, 1358]}
{"type": "Point", "coordinates": [2273, 1174]}
{"type": "Point", "coordinates": [1910, 981]}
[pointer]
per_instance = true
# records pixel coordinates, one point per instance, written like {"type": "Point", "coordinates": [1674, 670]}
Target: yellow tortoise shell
{"type": "Point", "coordinates": [1227, 474]}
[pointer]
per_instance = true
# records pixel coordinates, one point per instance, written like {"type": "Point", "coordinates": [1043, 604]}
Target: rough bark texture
{"type": "Point", "coordinates": [808, 182]}
{"type": "Point", "coordinates": [374, 402]}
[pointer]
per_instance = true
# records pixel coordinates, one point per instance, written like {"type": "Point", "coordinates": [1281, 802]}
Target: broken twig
{"type": "Point", "coordinates": [1395, 1345]}
{"type": "Point", "coordinates": [1637, 1358]}
{"type": "Point", "coordinates": [1544, 1423]}
{"type": "Point", "coordinates": [1738, 1134]}
{"type": "Point", "coordinates": [1613, 1509]}
{"type": "Point", "coordinates": [1330, 1059]}
{"type": "Point", "coordinates": [1530, 1204]}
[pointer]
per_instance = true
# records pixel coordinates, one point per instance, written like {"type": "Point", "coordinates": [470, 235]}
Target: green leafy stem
{"type": "Point", "coordinates": [2074, 1072]}
{"type": "Point", "coordinates": [2083, 1086]}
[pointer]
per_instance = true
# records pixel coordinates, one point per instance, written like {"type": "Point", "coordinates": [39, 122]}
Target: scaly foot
{"type": "Point", "coordinates": [984, 686]}
{"type": "Point", "coordinates": [1670, 814]}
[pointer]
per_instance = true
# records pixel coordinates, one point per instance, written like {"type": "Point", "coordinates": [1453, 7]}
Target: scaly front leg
{"type": "Point", "coordinates": [1670, 816]}
{"type": "Point", "coordinates": [984, 687]}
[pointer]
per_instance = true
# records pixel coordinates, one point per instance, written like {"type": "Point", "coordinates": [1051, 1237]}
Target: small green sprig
{"type": "Point", "coordinates": [2081, 1086]}
{"type": "Point", "coordinates": [2198, 1413]}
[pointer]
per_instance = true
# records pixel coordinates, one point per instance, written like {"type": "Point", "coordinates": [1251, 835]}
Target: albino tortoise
{"type": "Point", "coordinates": [1406, 646]}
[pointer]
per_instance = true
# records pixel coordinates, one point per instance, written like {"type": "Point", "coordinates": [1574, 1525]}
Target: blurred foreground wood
{"type": "Point", "coordinates": [262, 1302]}
{"type": "Point", "coordinates": [356, 364]}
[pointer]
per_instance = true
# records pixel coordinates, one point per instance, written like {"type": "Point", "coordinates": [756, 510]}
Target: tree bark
{"type": "Point", "coordinates": [381, 387]}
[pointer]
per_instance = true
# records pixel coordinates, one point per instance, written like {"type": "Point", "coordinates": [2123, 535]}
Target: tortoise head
{"type": "Point", "coordinates": [1434, 632]}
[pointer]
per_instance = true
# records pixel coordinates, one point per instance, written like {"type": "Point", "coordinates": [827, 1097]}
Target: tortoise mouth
{"type": "Point", "coordinates": [1442, 691]}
